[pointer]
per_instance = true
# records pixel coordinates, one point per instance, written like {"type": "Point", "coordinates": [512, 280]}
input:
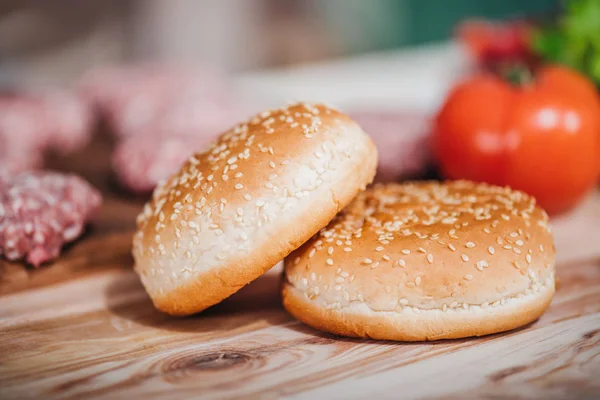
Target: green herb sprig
{"type": "Point", "coordinates": [575, 38]}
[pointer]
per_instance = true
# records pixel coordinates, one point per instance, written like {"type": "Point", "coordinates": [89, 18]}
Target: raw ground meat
{"type": "Point", "coordinates": [402, 140]}
{"type": "Point", "coordinates": [134, 98]}
{"type": "Point", "coordinates": [70, 120]}
{"type": "Point", "coordinates": [16, 157]}
{"type": "Point", "coordinates": [31, 123]}
{"type": "Point", "coordinates": [42, 210]}
{"type": "Point", "coordinates": [195, 115]}
{"type": "Point", "coordinates": [161, 115]}
{"type": "Point", "coordinates": [5, 175]}
{"type": "Point", "coordinates": [141, 163]}
{"type": "Point", "coordinates": [22, 122]}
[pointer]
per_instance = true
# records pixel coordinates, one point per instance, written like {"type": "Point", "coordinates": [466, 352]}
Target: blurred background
{"type": "Point", "coordinates": [177, 73]}
{"type": "Point", "coordinates": [49, 42]}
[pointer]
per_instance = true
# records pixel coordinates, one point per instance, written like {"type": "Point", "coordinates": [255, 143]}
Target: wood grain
{"type": "Point", "coordinates": [83, 328]}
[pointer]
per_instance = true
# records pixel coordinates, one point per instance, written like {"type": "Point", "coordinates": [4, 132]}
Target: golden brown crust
{"type": "Point", "coordinates": [237, 209]}
{"type": "Point", "coordinates": [426, 246]}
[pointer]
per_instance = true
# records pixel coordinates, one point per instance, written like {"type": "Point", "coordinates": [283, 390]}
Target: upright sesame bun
{"type": "Point", "coordinates": [234, 211]}
{"type": "Point", "coordinates": [425, 261]}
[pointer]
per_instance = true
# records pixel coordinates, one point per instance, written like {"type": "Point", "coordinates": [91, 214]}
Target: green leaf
{"type": "Point", "coordinates": [595, 69]}
{"type": "Point", "coordinates": [548, 43]}
{"type": "Point", "coordinates": [574, 40]}
{"type": "Point", "coordinates": [582, 18]}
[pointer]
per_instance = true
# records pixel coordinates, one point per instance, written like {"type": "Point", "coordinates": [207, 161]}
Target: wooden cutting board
{"type": "Point", "coordinates": [83, 327]}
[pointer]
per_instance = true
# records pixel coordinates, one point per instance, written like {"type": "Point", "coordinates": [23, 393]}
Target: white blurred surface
{"type": "Point", "coordinates": [412, 79]}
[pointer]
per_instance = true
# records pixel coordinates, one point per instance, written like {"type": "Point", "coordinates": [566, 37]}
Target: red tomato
{"type": "Point", "coordinates": [542, 137]}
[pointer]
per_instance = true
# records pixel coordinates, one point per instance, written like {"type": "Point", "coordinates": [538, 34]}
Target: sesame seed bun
{"type": "Point", "coordinates": [425, 261]}
{"type": "Point", "coordinates": [259, 192]}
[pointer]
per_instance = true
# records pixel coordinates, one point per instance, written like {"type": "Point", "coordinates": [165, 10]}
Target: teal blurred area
{"type": "Point", "coordinates": [384, 24]}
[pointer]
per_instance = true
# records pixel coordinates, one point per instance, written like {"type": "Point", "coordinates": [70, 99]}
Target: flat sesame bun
{"type": "Point", "coordinates": [425, 261]}
{"type": "Point", "coordinates": [234, 211]}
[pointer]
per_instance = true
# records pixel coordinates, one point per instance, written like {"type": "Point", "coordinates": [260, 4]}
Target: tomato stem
{"type": "Point", "coordinates": [518, 75]}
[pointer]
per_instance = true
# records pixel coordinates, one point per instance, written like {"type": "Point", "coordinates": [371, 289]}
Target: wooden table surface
{"type": "Point", "coordinates": [83, 327]}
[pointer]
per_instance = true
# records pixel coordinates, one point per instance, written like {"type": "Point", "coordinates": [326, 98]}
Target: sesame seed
{"type": "Point", "coordinates": [367, 261]}
{"type": "Point", "coordinates": [468, 277]}
{"type": "Point", "coordinates": [491, 250]}
{"type": "Point", "coordinates": [482, 264]}
{"type": "Point", "coordinates": [238, 186]}
{"type": "Point", "coordinates": [470, 245]}
{"type": "Point", "coordinates": [451, 247]}
{"type": "Point", "coordinates": [430, 258]}
{"type": "Point", "coordinates": [464, 257]}
{"type": "Point", "coordinates": [418, 280]}
{"type": "Point", "coordinates": [422, 250]}
{"type": "Point", "coordinates": [519, 242]}
{"type": "Point", "coordinates": [347, 249]}
{"type": "Point", "coordinates": [386, 257]}
{"type": "Point", "coordinates": [528, 258]}
{"type": "Point", "coordinates": [403, 302]}
{"type": "Point", "coordinates": [405, 251]}
{"type": "Point", "coordinates": [541, 248]}
{"type": "Point", "coordinates": [379, 248]}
